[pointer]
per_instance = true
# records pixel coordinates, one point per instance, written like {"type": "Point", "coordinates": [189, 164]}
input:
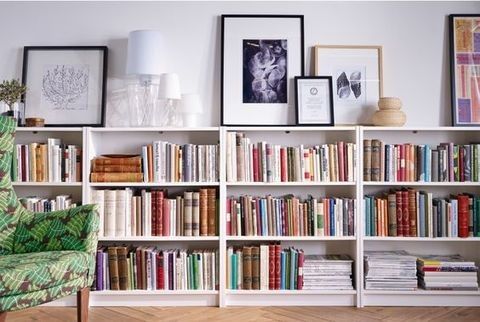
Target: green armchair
{"type": "Point", "coordinates": [43, 256]}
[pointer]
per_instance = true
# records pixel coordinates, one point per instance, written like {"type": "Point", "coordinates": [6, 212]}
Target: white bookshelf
{"type": "Point", "coordinates": [96, 141]}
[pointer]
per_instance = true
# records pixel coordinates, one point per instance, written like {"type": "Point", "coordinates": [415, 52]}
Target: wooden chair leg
{"type": "Point", "coordinates": [3, 316]}
{"type": "Point", "coordinates": [82, 305]}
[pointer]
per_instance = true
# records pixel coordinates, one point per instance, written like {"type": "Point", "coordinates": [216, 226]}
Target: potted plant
{"type": "Point", "coordinates": [10, 93]}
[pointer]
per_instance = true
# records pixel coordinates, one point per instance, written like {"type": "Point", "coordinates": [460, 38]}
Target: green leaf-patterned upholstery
{"type": "Point", "coordinates": [43, 256]}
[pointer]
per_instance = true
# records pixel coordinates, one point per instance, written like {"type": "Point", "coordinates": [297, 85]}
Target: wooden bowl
{"type": "Point", "coordinates": [34, 122]}
{"type": "Point", "coordinates": [389, 103]}
{"type": "Point", "coordinates": [389, 118]}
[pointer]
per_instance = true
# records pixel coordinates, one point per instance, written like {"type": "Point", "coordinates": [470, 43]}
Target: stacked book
{"type": "Point", "coordinates": [290, 216]}
{"type": "Point", "coordinates": [116, 168]}
{"type": "Point", "coordinates": [38, 204]}
{"type": "Point", "coordinates": [327, 272]}
{"type": "Point", "coordinates": [169, 162]}
{"type": "Point", "coordinates": [264, 267]}
{"type": "Point", "coordinates": [47, 162]}
{"type": "Point", "coordinates": [149, 268]}
{"type": "Point", "coordinates": [264, 162]}
{"type": "Point", "coordinates": [409, 162]}
{"type": "Point", "coordinates": [390, 270]}
{"type": "Point", "coordinates": [125, 212]}
{"type": "Point", "coordinates": [412, 213]}
{"type": "Point", "coordinates": [451, 272]}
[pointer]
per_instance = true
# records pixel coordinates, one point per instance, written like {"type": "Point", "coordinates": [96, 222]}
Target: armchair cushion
{"type": "Point", "coordinates": [31, 272]}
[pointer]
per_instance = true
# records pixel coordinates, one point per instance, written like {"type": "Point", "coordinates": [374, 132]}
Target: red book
{"type": "Point", "coordinates": [229, 218]}
{"type": "Point", "coordinates": [301, 259]}
{"type": "Point", "coordinates": [461, 156]}
{"type": "Point", "coordinates": [341, 160]}
{"type": "Point", "coordinates": [255, 164]}
{"type": "Point", "coordinates": [306, 162]}
{"type": "Point", "coordinates": [402, 163]}
{"type": "Point", "coordinates": [256, 203]}
{"type": "Point", "coordinates": [399, 201]}
{"type": "Point", "coordinates": [160, 195]}
{"type": "Point", "coordinates": [166, 218]}
{"type": "Point", "coordinates": [283, 164]}
{"type": "Point", "coordinates": [154, 213]}
{"type": "Point", "coordinates": [405, 214]}
{"type": "Point", "coordinates": [271, 267]}
{"type": "Point", "coordinates": [24, 166]}
{"type": "Point", "coordinates": [277, 266]}
{"type": "Point", "coordinates": [160, 282]}
{"type": "Point", "coordinates": [463, 215]}
{"type": "Point", "coordinates": [138, 259]}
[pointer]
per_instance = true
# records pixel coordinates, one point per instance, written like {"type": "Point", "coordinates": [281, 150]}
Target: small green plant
{"type": "Point", "coordinates": [11, 92]}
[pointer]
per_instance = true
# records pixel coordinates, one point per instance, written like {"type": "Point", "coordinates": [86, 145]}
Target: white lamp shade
{"type": "Point", "coordinates": [144, 52]}
{"type": "Point", "coordinates": [169, 86]}
{"type": "Point", "coordinates": [191, 104]}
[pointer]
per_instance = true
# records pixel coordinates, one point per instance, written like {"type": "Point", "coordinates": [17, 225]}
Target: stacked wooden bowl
{"type": "Point", "coordinates": [389, 113]}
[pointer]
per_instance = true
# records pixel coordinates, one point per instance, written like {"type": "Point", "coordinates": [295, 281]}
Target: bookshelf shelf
{"type": "Point", "coordinates": [290, 292]}
{"type": "Point", "coordinates": [290, 128]}
{"type": "Point", "coordinates": [303, 184]}
{"type": "Point", "coordinates": [47, 184]}
{"type": "Point", "coordinates": [156, 129]}
{"type": "Point", "coordinates": [158, 292]}
{"type": "Point", "coordinates": [49, 129]}
{"type": "Point", "coordinates": [422, 184]}
{"type": "Point", "coordinates": [160, 238]}
{"type": "Point", "coordinates": [153, 184]}
{"type": "Point", "coordinates": [290, 238]}
{"type": "Point", "coordinates": [421, 239]}
{"type": "Point", "coordinates": [421, 292]}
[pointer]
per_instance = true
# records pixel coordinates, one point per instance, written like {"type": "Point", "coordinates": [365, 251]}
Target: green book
{"type": "Point", "coordinates": [287, 270]}
{"type": "Point", "coordinates": [234, 272]}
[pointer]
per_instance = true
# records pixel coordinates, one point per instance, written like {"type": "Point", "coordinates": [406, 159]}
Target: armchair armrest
{"type": "Point", "coordinates": [71, 229]}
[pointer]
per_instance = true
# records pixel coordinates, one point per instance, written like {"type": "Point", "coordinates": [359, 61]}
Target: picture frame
{"type": "Point", "coordinates": [357, 80]}
{"type": "Point", "coordinates": [260, 55]}
{"type": "Point", "coordinates": [314, 101]}
{"type": "Point", "coordinates": [46, 71]}
{"type": "Point", "coordinates": [464, 69]}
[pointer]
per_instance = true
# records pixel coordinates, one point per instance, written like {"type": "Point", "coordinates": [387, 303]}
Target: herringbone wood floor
{"type": "Point", "coordinates": [137, 314]}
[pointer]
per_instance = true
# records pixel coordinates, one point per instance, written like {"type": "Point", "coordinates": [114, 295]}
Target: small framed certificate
{"type": "Point", "coordinates": [314, 100]}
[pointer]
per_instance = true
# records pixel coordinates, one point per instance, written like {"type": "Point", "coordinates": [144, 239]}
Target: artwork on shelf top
{"type": "Point", "coordinates": [465, 69]}
{"type": "Point", "coordinates": [314, 100]}
{"type": "Point", "coordinates": [261, 55]}
{"type": "Point", "coordinates": [65, 85]}
{"type": "Point", "coordinates": [357, 80]}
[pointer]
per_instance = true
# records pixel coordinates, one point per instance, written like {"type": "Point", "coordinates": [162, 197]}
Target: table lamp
{"type": "Point", "coordinates": [169, 91]}
{"type": "Point", "coordinates": [144, 64]}
{"type": "Point", "coordinates": [190, 107]}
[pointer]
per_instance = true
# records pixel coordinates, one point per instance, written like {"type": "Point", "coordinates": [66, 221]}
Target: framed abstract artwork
{"type": "Point", "coordinates": [314, 100]}
{"type": "Point", "coordinates": [465, 69]}
{"type": "Point", "coordinates": [65, 85]}
{"type": "Point", "coordinates": [261, 54]}
{"type": "Point", "coordinates": [357, 80]}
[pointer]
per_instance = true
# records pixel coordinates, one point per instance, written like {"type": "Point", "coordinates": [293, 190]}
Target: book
{"type": "Point", "coordinates": [113, 268]}
{"type": "Point", "coordinates": [116, 177]}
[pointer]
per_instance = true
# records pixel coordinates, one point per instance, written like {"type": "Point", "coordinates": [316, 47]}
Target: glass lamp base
{"type": "Point", "coordinates": [142, 98]}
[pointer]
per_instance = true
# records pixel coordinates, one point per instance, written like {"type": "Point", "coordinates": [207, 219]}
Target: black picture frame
{"type": "Point", "coordinates": [27, 50]}
{"type": "Point", "coordinates": [330, 97]}
{"type": "Point", "coordinates": [222, 62]}
{"type": "Point", "coordinates": [455, 98]}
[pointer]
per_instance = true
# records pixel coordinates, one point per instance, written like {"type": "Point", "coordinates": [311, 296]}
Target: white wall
{"type": "Point", "coordinates": [414, 36]}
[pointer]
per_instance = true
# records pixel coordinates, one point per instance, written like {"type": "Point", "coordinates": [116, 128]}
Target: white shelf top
{"type": "Point", "coordinates": [306, 183]}
{"type": "Point", "coordinates": [290, 238]}
{"type": "Point", "coordinates": [419, 183]}
{"type": "Point", "coordinates": [49, 129]}
{"type": "Point", "coordinates": [153, 184]}
{"type": "Point", "coordinates": [426, 239]}
{"type": "Point", "coordinates": [422, 128]}
{"type": "Point", "coordinates": [290, 292]}
{"type": "Point", "coordinates": [156, 129]}
{"type": "Point", "coordinates": [47, 184]}
{"type": "Point", "coordinates": [160, 238]}
{"type": "Point", "coordinates": [420, 292]}
{"type": "Point", "coordinates": [290, 128]}
{"type": "Point", "coordinates": [157, 292]}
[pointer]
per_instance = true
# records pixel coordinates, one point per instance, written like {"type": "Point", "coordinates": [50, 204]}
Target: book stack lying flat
{"type": "Point", "coordinates": [124, 212]}
{"type": "Point", "coordinates": [265, 162]}
{"type": "Point", "coordinates": [264, 267]}
{"type": "Point", "coordinates": [390, 270]}
{"type": "Point", "coordinates": [170, 162]}
{"type": "Point", "coordinates": [447, 162]}
{"type": "Point", "coordinates": [450, 272]}
{"type": "Point", "coordinates": [38, 204]}
{"type": "Point", "coordinates": [290, 216]}
{"type": "Point", "coordinates": [116, 168]}
{"type": "Point", "coordinates": [327, 272]}
{"type": "Point", "coordinates": [47, 162]}
{"type": "Point", "coordinates": [149, 268]}
{"type": "Point", "coordinates": [409, 212]}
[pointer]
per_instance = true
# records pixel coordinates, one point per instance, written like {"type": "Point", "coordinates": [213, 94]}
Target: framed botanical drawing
{"type": "Point", "coordinates": [65, 85]}
{"type": "Point", "coordinates": [314, 100]}
{"type": "Point", "coordinates": [261, 54]}
{"type": "Point", "coordinates": [357, 80]}
{"type": "Point", "coordinates": [465, 69]}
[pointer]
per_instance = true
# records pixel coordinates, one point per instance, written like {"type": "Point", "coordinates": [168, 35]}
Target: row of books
{"type": "Point", "coordinates": [409, 212]}
{"type": "Point", "coordinates": [170, 162]}
{"type": "Point", "coordinates": [290, 216]}
{"type": "Point", "coordinates": [264, 267]}
{"type": "Point", "coordinates": [447, 162]}
{"type": "Point", "coordinates": [38, 204]}
{"type": "Point", "coordinates": [149, 268]}
{"type": "Point", "coordinates": [116, 168]}
{"type": "Point", "coordinates": [266, 162]}
{"type": "Point", "coordinates": [47, 162]}
{"type": "Point", "coordinates": [126, 212]}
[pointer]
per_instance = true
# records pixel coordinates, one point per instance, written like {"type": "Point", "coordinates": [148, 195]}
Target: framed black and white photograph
{"type": "Point", "coordinates": [261, 55]}
{"type": "Point", "coordinates": [356, 72]}
{"type": "Point", "coordinates": [314, 101]}
{"type": "Point", "coordinates": [66, 86]}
